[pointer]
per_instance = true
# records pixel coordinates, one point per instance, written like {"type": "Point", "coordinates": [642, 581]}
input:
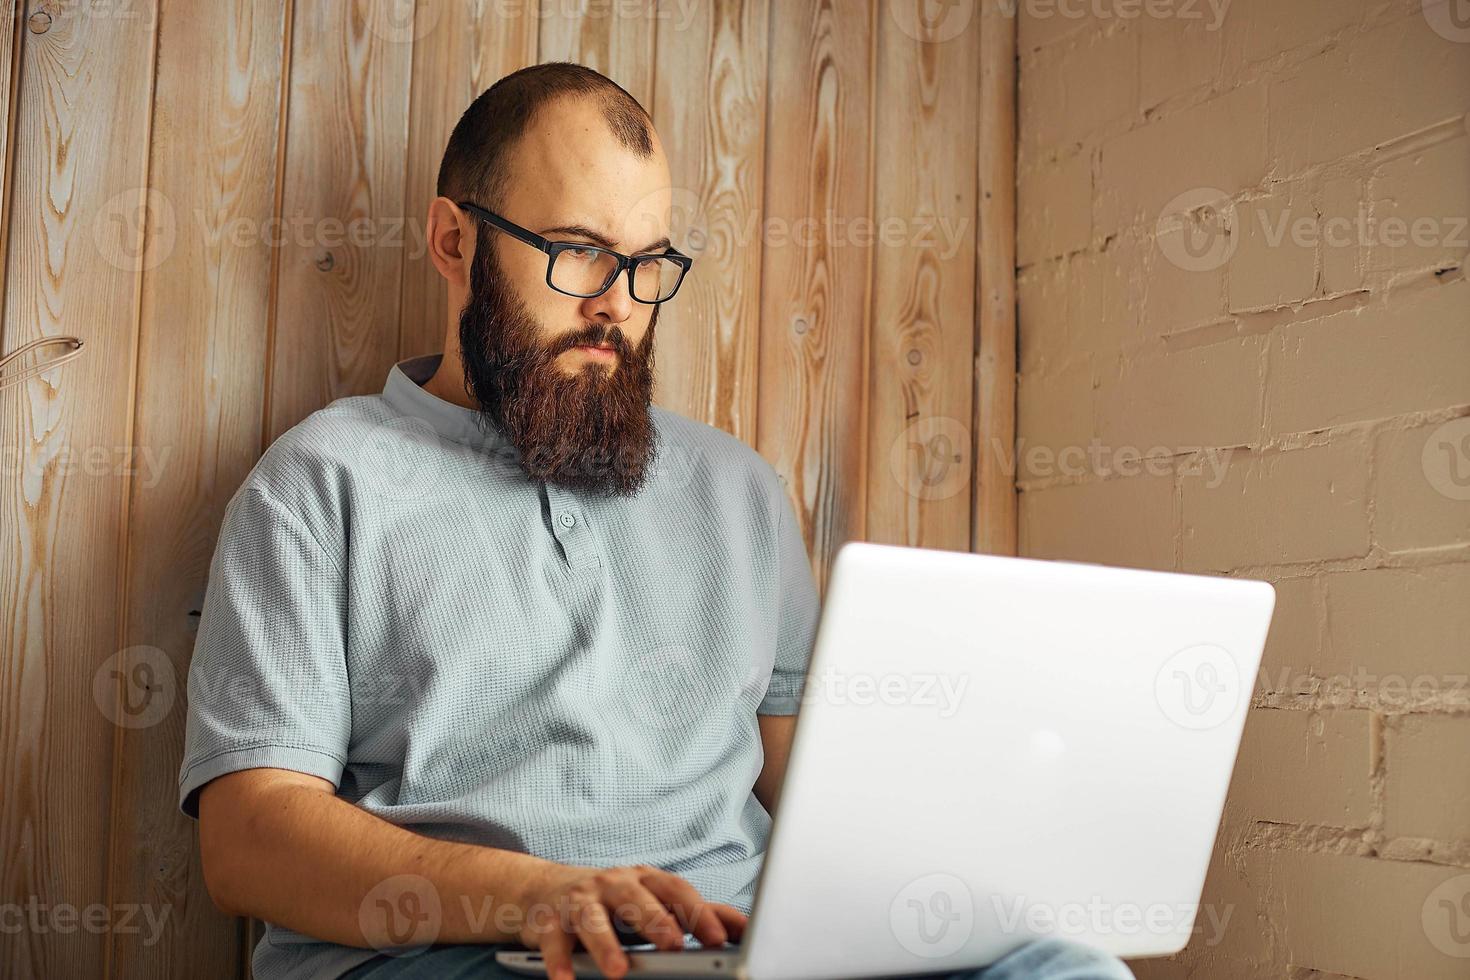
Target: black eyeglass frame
{"type": "Point", "coordinates": [553, 249]}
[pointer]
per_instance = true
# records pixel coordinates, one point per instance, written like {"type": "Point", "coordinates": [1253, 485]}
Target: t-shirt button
{"type": "Point", "coordinates": [568, 519]}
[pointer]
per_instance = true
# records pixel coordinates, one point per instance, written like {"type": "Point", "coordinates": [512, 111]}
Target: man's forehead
{"type": "Point", "coordinates": [570, 170]}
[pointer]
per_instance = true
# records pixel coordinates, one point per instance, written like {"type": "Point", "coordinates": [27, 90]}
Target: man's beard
{"type": "Point", "coordinates": [589, 431]}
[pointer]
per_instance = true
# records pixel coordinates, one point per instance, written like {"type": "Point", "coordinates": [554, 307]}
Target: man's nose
{"type": "Point", "coordinates": [613, 306]}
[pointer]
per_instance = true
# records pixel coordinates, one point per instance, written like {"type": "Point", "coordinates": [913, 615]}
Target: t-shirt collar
{"type": "Point", "coordinates": [404, 392]}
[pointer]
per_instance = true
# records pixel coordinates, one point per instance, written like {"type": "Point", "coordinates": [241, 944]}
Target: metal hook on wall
{"type": "Point", "coordinates": [41, 367]}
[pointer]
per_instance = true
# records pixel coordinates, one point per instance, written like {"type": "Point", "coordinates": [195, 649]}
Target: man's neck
{"type": "Point", "coordinates": [447, 381]}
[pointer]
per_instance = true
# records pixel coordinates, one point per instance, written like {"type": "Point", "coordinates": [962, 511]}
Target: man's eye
{"type": "Point", "coordinates": [582, 253]}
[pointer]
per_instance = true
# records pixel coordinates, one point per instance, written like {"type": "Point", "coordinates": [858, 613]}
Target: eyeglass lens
{"type": "Point", "coordinates": [585, 271]}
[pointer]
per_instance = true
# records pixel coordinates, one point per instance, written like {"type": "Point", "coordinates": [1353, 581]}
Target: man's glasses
{"type": "Point", "coordinates": [583, 270]}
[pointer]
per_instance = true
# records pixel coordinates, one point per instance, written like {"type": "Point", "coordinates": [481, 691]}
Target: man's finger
{"type": "Point", "coordinates": [556, 953]}
{"type": "Point", "coordinates": [693, 911]}
{"type": "Point", "coordinates": [732, 918]}
{"type": "Point", "coordinates": [643, 911]}
{"type": "Point", "coordinates": [594, 928]}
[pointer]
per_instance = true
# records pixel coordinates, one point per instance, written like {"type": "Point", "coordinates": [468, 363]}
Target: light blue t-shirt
{"type": "Point", "coordinates": [395, 607]}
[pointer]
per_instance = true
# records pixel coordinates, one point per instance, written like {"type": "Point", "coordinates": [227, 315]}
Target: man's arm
{"type": "Point", "coordinates": [776, 732]}
{"type": "Point", "coordinates": [281, 846]}
{"type": "Point", "coordinates": [797, 609]}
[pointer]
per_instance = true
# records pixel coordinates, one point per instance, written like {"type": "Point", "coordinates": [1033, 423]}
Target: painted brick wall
{"type": "Point", "coordinates": [1245, 350]}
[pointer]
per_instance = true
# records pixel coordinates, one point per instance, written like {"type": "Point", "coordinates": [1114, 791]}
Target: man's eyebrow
{"type": "Point", "coordinates": [598, 238]}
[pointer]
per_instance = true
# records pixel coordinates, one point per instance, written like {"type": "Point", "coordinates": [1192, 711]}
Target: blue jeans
{"type": "Point", "coordinates": [1047, 959]}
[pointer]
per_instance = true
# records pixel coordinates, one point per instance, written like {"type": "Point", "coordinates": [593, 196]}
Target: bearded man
{"type": "Point", "coordinates": [506, 654]}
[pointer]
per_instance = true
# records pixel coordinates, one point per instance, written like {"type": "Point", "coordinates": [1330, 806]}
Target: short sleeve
{"type": "Point", "coordinates": [796, 617]}
{"type": "Point", "coordinates": [268, 679]}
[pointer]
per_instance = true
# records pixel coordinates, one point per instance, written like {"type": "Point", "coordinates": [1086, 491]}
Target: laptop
{"type": "Point", "coordinates": [988, 751]}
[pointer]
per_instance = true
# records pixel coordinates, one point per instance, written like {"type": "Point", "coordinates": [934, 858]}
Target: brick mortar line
{"type": "Point", "coordinates": [1454, 705]}
{"type": "Point", "coordinates": [1375, 560]}
{"type": "Point", "coordinates": [1275, 445]}
{"type": "Point", "coordinates": [1270, 835]}
{"type": "Point", "coordinates": [1355, 163]}
{"type": "Point", "coordinates": [1141, 232]}
{"type": "Point", "coordinates": [1231, 327]}
{"type": "Point", "coordinates": [1245, 74]}
{"type": "Point", "coordinates": [1378, 774]}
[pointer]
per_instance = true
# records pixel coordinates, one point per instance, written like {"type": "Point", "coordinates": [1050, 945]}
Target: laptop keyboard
{"type": "Point", "coordinates": [689, 943]}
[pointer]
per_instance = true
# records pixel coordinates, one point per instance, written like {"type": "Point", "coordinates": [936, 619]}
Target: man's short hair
{"type": "Point", "coordinates": [476, 163]}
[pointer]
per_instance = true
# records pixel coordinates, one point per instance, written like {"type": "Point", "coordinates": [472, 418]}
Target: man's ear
{"type": "Point", "coordinates": [449, 237]}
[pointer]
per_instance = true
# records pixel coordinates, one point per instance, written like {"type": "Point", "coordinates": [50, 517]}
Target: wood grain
{"type": "Point", "coordinates": [709, 105]}
{"type": "Point", "coordinates": [10, 27]}
{"type": "Point", "coordinates": [152, 159]}
{"type": "Point", "coordinates": [615, 39]}
{"type": "Point", "coordinates": [920, 394]}
{"type": "Point", "coordinates": [200, 392]}
{"type": "Point", "coordinates": [994, 520]}
{"type": "Point", "coordinates": [336, 318]}
{"type": "Point", "coordinates": [464, 47]}
{"type": "Point", "coordinates": [77, 225]}
{"type": "Point", "coordinates": [815, 279]}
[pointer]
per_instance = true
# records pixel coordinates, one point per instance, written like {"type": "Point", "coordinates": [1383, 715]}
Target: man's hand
{"type": "Point", "coordinates": [281, 846]}
{"type": "Point", "coordinates": [568, 903]}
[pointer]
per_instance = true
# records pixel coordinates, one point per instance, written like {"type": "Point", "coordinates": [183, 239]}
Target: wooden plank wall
{"type": "Point", "coordinates": [180, 184]}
